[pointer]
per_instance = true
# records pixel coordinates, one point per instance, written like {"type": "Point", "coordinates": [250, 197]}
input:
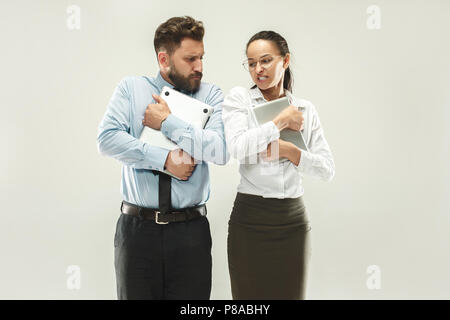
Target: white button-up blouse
{"type": "Point", "coordinates": [247, 141]}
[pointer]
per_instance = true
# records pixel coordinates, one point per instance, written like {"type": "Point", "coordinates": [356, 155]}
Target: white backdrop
{"type": "Point", "coordinates": [377, 72]}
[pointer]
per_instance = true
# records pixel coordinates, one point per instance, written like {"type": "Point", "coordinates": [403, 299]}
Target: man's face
{"type": "Point", "coordinates": [186, 65]}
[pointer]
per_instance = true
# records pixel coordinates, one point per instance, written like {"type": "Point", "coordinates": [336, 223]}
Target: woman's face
{"type": "Point", "coordinates": [266, 66]}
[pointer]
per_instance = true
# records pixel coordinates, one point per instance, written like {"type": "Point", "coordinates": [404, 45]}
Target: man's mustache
{"type": "Point", "coordinates": [197, 74]}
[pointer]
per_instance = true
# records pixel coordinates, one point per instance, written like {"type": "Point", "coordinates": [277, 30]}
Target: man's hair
{"type": "Point", "coordinates": [169, 34]}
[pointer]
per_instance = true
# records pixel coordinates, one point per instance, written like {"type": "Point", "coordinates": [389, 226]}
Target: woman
{"type": "Point", "coordinates": [269, 234]}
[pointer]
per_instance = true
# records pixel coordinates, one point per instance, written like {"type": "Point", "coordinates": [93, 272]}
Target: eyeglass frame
{"type": "Point", "coordinates": [259, 61]}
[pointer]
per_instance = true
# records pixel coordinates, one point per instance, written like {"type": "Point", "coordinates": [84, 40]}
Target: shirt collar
{"type": "Point", "coordinates": [160, 82]}
{"type": "Point", "coordinates": [256, 94]}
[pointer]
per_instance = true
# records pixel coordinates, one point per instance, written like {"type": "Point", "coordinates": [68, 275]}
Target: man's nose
{"type": "Point", "coordinates": [198, 66]}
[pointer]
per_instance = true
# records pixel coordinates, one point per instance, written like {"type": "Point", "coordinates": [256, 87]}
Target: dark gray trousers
{"type": "Point", "coordinates": [159, 262]}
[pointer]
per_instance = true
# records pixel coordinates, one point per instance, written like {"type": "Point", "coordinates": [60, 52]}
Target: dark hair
{"type": "Point", "coordinates": [282, 45]}
{"type": "Point", "coordinates": [169, 34]}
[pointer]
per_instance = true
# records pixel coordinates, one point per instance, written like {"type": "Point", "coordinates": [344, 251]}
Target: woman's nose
{"type": "Point", "coordinates": [258, 67]}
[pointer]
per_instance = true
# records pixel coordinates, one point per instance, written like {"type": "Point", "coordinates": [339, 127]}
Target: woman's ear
{"type": "Point", "coordinates": [286, 60]}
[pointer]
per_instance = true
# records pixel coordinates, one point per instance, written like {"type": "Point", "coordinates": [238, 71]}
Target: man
{"type": "Point", "coordinates": [163, 241]}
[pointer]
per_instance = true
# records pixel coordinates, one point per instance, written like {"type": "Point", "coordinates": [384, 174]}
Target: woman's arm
{"type": "Point", "coordinates": [317, 162]}
{"type": "Point", "coordinates": [242, 141]}
{"type": "Point", "coordinates": [279, 149]}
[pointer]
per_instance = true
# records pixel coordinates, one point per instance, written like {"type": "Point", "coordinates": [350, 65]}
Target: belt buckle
{"type": "Point", "coordinates": [156, 218]}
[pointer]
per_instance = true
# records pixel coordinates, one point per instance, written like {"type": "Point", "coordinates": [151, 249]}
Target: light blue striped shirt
{"type": "Point", "coordinates": [121, 126]}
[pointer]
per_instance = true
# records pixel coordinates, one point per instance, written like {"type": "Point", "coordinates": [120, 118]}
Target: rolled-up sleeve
{"type": "Point", "coordinates": [114, 139]}
{"type": "Point", "coordinates": [242, 141]}
{"type": "Point", "coordinates": [318, 161]}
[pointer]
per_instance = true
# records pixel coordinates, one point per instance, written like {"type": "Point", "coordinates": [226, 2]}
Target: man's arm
{"type": "Point", "coordinates": [114, 138]}
{"type": "Point", "coordinates": [202, 144]}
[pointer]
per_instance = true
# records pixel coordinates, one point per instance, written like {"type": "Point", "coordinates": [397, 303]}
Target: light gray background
{"type": "Point", "coordinates": [382, 95]}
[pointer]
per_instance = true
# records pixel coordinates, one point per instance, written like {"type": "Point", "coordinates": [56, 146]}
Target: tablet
{"type": "Point", "coordinates": [268, 111]}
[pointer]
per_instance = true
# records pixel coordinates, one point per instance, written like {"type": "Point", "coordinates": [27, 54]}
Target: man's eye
{"type": "Point", "coordinates": [252, 65]}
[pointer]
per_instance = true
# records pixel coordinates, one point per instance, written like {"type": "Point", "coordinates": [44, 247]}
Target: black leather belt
{"type": "Point", "coordinates": [177, 215]}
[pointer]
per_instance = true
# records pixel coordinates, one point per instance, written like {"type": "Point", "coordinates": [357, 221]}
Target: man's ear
{"type": "Point", "coordinates": [163, 60]}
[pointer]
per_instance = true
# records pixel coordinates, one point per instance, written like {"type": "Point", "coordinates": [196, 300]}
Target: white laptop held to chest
{"type": "Point", "coordinates": [188, 109]}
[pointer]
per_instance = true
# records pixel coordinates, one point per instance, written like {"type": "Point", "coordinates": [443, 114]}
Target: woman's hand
{"type": "Point", "coordinates": [273, 151]}
{"type": "Point", "coordinates": [289, 118]}
{"type": "Point", "coordinates": [279, 149]}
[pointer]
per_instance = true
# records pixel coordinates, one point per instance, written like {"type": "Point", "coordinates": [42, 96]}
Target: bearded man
{"type": "Point", "coordinates": [162, 244]}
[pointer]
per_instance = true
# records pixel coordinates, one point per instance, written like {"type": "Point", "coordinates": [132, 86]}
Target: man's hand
{"type": "Point", "coordinates": [289, 118]}
{"type": "Point", "coordinates": [180, 164]}
{"type": "Point", "coordinates": [155, 114]}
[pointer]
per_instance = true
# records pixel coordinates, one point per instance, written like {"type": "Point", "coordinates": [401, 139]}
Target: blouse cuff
{"type": "Point", "coordinates": [271, 131]}
{"type": "Point", "coordinates": [306, 161]}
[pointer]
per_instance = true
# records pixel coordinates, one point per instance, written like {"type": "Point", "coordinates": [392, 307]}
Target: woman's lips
{"type": "Point", "coordinates": [262, 78]}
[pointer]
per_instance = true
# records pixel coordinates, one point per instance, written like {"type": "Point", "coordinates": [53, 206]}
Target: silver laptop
{"type": "Point", "coordinates": [268, 111]}
{"type": "Point", "coordinates": [184, 107]}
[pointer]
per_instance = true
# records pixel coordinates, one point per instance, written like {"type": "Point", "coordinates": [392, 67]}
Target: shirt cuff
{"type": "Point", "coordinates": [155, 157]}
{"type": "Point", "coordinates": [270, 131]}
{"type": "Point", "coordinates": [306, 161]}
{"type": "Point", "coordinates": [173, 127]}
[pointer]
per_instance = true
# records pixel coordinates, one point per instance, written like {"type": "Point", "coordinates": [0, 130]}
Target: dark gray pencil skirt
{"type": "Point", "coordinates": [269, 248]}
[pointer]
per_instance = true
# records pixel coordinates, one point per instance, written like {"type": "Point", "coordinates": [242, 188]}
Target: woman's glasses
{"type": "Point", "coordinates": [265, 62]}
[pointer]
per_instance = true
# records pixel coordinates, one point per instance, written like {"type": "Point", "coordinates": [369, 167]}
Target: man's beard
{"type": "Point", "coordinates": [185, 84]}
